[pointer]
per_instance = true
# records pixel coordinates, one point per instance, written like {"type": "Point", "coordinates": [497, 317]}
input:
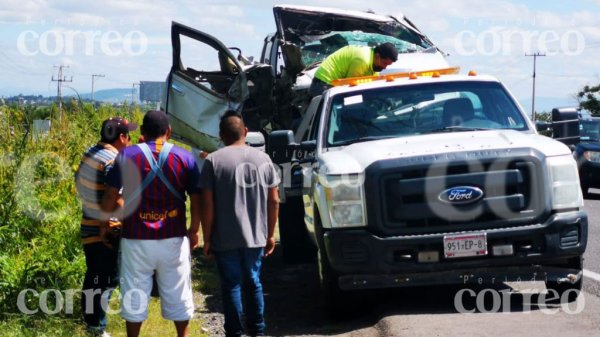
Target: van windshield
{"type": "Point", "coordinates": [400, 111]}
{"type": "Point", "coordinates": [322, 46]}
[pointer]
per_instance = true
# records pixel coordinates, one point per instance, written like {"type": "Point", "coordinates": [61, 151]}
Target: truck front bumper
{"type": "Point", "coordinates": [548, 251]}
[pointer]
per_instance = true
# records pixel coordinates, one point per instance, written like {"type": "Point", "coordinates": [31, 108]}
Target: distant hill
{"type": "Point", "coordinates": [111, 95]}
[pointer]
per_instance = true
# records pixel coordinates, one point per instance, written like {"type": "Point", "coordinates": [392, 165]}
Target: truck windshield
{"type": "Point", "coordinates": [399, 111]}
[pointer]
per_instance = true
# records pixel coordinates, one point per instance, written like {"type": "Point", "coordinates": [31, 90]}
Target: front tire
{"type": "Point", "coordinates": [567, 291]}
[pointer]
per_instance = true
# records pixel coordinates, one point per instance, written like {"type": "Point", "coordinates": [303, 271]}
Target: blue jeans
{"type": "Point", "coordinates": [239, 271]}
{"type": "Point", "coordinates": [101, 278]}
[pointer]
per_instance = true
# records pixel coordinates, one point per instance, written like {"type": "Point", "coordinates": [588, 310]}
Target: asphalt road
{"type": "Point", "coordinates": [294, 306]}
{"type": "Point", "coordinates": [592, 253]}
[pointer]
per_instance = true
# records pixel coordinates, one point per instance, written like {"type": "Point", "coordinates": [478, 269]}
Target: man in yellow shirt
{"type": "Point", "coordinates": [352, 61]}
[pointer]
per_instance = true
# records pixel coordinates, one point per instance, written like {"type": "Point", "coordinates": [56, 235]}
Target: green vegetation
{"type": "Point", "coordinates": [39, 220]}
{"type": "Point", "coordinates": [588, 97]}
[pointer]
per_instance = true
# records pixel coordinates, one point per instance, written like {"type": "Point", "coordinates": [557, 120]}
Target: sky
{"type": "Point", "coordinates": [128, 41]}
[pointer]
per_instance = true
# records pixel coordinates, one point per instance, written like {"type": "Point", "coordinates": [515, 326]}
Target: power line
{"type": "Point", "coordinates": [60, 78]}
{"type": "Point", "coordinates": [93, 77]}
{"type": "Point", "coordinates": [535, 56]}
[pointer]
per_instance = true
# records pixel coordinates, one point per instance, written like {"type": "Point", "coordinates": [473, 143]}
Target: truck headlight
{"type": "Point", "coordinates": [592, 156]}
{"type": "Point", "coordinates": [345, 200]}
{"type": "Point", "coordinates": [564, 182]}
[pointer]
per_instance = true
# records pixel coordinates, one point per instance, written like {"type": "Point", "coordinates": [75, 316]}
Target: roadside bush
{"type": "Point", "coordinates": [39, 208]}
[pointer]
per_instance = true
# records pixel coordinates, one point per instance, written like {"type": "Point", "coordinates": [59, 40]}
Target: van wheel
{"type": "Point", "coordinates": [293, 236]}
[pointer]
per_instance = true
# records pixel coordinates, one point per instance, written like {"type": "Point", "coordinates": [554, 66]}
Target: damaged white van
{"type": "Point", "coordinates": [207, 77]}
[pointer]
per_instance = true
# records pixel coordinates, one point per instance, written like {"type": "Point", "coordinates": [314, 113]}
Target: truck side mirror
{"type": "Point", "coordinates": [565, 125]}
{"type": "Point", "coordinates": [278, 146]}
{"type": "Point", "coordinates": [308, 145]}
{"type": "Point", "coordinates": [542, 126]}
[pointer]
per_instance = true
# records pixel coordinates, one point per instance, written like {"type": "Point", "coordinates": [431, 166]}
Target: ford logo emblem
{"type": "Point", "coordinates": [461, 195]}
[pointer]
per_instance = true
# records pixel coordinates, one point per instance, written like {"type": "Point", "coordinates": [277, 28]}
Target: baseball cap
{"type": "Point", "coordinates": [113, 127]}
{"type": "Point", "coordinates": [155, 123]}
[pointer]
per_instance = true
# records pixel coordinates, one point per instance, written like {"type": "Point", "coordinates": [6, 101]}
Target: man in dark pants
{"type": "Point", "coordinates": [101, 276]}
{"type": "Point", "coordinates": [239, 208]}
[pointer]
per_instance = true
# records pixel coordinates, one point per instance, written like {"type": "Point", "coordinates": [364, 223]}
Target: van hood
{"type": "Point", "coordinates": [294, 23]}
{"type": "Point", "coordinates": [357, 157]}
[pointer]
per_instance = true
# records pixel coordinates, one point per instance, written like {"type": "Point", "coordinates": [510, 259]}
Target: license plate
{"type": "Point", "coordinates": [464, 245]}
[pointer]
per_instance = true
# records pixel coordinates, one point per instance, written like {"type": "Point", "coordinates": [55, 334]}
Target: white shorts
{"type": "Point", "coordinates": [171, 260]}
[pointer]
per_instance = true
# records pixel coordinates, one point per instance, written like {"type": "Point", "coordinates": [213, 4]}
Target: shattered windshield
{"type": "Point", "coordinates": [317, 48]}
{"type": "Point", "coordinates": [429, 108]}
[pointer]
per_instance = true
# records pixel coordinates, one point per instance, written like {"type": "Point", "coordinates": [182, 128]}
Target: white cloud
{"type": "Point", "coordinates": [227, 11]}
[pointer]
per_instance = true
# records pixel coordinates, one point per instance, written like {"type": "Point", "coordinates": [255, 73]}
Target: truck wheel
{"type": "Point", "coordinates": [294, 238]}
{"type": "Point", "coordinates": [338, 304]}
{"type": "Point", "coordinates": [336, 301]}
{"type": "Point", "coordinates": [328, 279]}
{"type": "Point", "coordinates": [571, 290]}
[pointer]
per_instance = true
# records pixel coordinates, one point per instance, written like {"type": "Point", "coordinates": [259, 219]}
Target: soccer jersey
{"type": "Point", "coordinates": [90, 181]}
{"type": "Point", "coordinates": [349, 61]}
{"type": "Point", "coordinates": [156, 212]}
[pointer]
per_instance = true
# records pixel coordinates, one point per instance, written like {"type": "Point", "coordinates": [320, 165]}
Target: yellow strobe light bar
{"type": "Point", "coordinates": [390, 77]}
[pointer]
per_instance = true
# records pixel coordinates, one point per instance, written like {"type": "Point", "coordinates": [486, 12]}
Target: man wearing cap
{"type": "Point", "coordinates": [155, 177]}
{"type": "Point", "coordinates": [101, 275]}
{"type": "Point", "coordinates": [352, 61]}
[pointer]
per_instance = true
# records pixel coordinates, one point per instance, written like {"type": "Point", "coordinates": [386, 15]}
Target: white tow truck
{"type": "Point", "coordinates": [430, 178]}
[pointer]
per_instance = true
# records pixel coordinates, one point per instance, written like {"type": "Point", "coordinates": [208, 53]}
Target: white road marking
{"type": "Point", "coordinates": [591, 274]}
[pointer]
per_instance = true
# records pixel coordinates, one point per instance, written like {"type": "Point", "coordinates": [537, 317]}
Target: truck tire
{"type": "Point", "coordinates": [569, 290]}
{"type": "Point", "coordinates": [338, 304]}
{"type": "Point", "coordinates": [328, 280]}
{"type": "Point", "coordinates": [295, 242]}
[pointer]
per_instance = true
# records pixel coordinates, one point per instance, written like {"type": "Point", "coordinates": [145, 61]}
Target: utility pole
{"type": "Point", "coordinates": [535, 56]}
{"type": "Point", "coordinates": [133, 93]}
{"type": "Point", "coordinates": [94, 76]}
{"type": "Point", "coordinates": [60, 79]}
{"type": "Point", "coordinates": [132, 99]}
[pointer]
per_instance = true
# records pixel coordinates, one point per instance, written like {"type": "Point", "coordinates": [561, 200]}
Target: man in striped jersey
{"type": "Point", "coordinates": [101, 275]}
{"type": "Point", "coordinates": [155, 177]}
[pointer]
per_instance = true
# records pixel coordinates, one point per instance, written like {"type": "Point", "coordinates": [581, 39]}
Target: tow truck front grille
{"type": "Point", "coordinates": [512, 194]}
